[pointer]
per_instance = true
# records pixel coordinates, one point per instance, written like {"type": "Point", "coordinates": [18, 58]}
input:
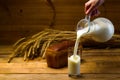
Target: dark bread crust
{"type": "Point", "coordinates": [57, 54]}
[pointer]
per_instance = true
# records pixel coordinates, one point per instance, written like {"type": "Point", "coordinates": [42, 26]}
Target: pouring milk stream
{"type": "Point", "coordinates": [101, 30]}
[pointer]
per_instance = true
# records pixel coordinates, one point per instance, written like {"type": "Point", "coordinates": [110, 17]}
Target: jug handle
{"type": "Point", "coordinates": [87, 17]}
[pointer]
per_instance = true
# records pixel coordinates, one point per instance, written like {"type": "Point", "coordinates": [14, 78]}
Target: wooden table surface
{"type": "Point", "coordinates": [98, 64]}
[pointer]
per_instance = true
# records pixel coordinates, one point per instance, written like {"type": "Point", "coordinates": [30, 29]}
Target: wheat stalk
{"type": "Point", "coordinates": [28, 47]}
{"type": "Point", "coordinates": [37, 44]}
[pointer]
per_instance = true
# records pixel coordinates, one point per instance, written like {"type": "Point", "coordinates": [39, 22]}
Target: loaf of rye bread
{"type": "Point", "coordinates": [57, 54]}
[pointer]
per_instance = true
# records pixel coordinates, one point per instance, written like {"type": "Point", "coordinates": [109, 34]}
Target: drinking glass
{"type": "Point", "coordinates": [73, 63]}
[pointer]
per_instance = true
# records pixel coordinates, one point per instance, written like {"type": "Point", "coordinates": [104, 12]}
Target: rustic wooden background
{"type": "Point", "coordinates": [20, 18]}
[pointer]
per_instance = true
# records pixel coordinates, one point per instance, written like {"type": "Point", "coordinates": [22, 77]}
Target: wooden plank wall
{"type": "Point", "coordinates": [20, 18]}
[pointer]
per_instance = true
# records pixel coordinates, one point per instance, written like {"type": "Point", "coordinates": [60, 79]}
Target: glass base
{"type": "Point", "coordinates": [74, 75]}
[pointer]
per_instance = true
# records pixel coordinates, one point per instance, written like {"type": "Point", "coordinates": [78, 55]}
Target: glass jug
{"type": "Point", "coordinates": [100, 28]}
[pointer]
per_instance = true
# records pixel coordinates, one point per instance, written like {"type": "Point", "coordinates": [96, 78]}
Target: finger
{"type": "Point", "coordinates": [95, 13]}
{"type": "Point", "coordinates": [88, 7]}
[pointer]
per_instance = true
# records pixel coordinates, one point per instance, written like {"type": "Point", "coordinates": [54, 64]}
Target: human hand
{"type": "Point", "coordinates": [91, 7]}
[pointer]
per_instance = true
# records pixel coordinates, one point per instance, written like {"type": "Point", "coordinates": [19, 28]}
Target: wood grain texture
{"type": "Point", "coordinates": [97, 64]}
{"type": "Point", "coordinates": [94, 61]}
{"type": "Point", "coordinates": [90, 65]}
{"type": "Point", "coordinates": [58, 77]}
{"type": "Point", "coordinates": [25, 17]}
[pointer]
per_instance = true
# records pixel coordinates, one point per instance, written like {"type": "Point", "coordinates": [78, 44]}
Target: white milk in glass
{"type": "Point", "coordinates": [74, 60]}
